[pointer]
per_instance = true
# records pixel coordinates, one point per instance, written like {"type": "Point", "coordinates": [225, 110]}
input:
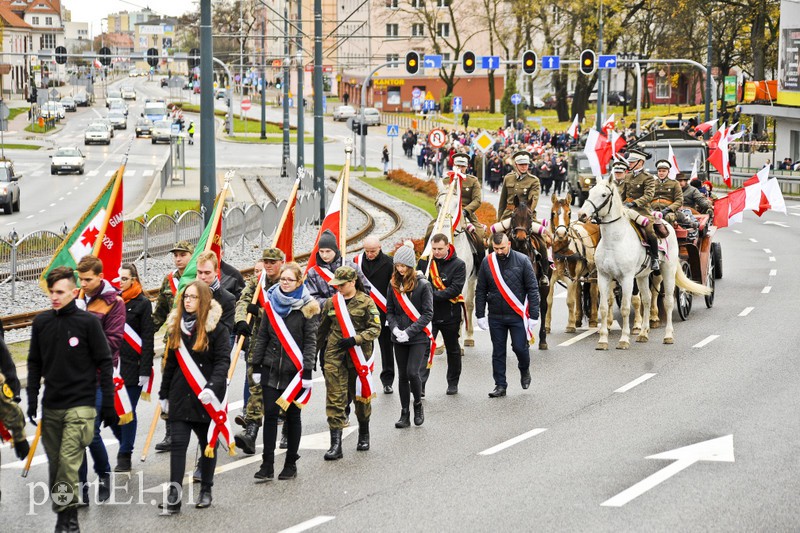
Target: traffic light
{"type": "Point", "coordinates": [412, 62]}
{"type": "Point", "coordinates": [194, 58]}
{"type": "Point", "coordinates": [529, 61]}
{"type": "Point", "coordinates": [277, 83]}
{"type": "Point", "coordinates": [33, 96]}
{"type": "Point", "coordinates": [468, 62]}
{"type": "Point", "coordinates": [152, 57]}
{"type": "Point", "coordinates": [588, 62]}
{"type": "Point", "coordinates": [61, 55]}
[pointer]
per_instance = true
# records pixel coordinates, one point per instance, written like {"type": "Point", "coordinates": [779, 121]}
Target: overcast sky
{"type": "Point", "coordinates": [93, 11]}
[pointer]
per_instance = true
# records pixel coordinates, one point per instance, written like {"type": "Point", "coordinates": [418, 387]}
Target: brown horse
{"type": "Point", "coordinates": [573, 256]}
{"type": "Point", "coordinates": [532, 245]}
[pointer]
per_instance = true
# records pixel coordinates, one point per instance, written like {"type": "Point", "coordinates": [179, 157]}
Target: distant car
{"type": "Point", "coordinates": [9, 187]}
{"type": "Point", "coordinates": [164, 82]}
{"type": "Point", "coordinates": [69, 103]}
{"type": "Point", "coordinates": [161, 131]}
{"type": "Point", "coordinates": [343, 112]}
{"type": "Point", "coordinates": [118, 120]}
{"type": "Point", "coordinates": [97, 133]}
{"type": "Point", "coordinates": [133, 73]}
{"type": "Point", "coordinates": [222, 94]}
{"type": "Point", "coordinates": [119, 105]}
{"type": "Point", "coordinates": [144, 126]}
{"type": "Point", "coordinates": [128, 93]}
{"type": "Point", "coordinates": [67, 159]}
{"type": "Point", "coordinates": [372, 117]}
{"type": "Point", "coordinates": [82, 99]}
{"type": "Point", "coordinates": [53, 110]}
{"type": "Point", "coordinates": [538, 103]}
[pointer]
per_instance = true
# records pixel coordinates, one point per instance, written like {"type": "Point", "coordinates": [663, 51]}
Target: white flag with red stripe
{"type": "Point", "coordinates": [673, 170]}
{"type": "Point", "coordinates": [572, 131]}
{"type": "Point", "coordinates": [331, 222]}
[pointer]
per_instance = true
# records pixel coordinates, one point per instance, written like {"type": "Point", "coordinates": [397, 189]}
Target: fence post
{"type": "Point", "coordinates": [175, 217]}
{"type": "Point", "coordinates": [14, 240]}
{"type": "Point", "coordinates": [145, 244]}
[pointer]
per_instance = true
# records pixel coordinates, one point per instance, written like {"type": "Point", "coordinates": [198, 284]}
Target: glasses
{"type": "Point", "coordinates": [191, 297]}
{"type": "Point", "coordinates": [288, 280]}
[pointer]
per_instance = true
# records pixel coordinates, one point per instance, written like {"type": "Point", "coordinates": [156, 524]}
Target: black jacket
{"type": "Point", "coordinates": [138, 315]}
{"type": "Point", "coordinates": [232, 280]}
{"type": "Point", "coordinates": [518, 274]}
{"type": "Point", "coordinates": [69, 350]}
{"type": "Point", "coordinates": [453, 273]}
{"type": "Point", "coordinates": [378, 272]}
{"type": "Point", "coordinates": [213, 363]}
{"type": "Point", "coordinates": [227, 302]}
{"type": "Point", "coordinates": [422, 298]}
{"type": "Point", "coordinates": [271, 360]}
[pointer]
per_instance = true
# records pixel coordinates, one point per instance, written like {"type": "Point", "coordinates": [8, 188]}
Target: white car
{"type": "Point", "coordinates": [67, 159]}
{"type": "Point", "coordinates": [97, 133]}
{"type": "Point", "coordinates": [53, 110]}
{"type": "Point", "coordinates": [128, 93]}
{"type": "Point", "coordinates": [343, 112]}
{"type": "Point", "coordinates": [372, 117]}
{"type": "Point", "coordinates": [161, 131]}
{"type": "Point", "coordinates": [118, 119]}
{"type": "Point", "coordinates": [118, 105]}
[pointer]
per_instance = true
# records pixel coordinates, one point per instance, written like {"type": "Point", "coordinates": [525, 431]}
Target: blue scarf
{"type": "Point", "coordinates": [284, 303]}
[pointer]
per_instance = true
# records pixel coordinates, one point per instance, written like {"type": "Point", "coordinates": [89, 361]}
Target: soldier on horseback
{"type": "Point", "coordinates": [519, 183]}
{"type": "Point", "coordinates": [637, 192]}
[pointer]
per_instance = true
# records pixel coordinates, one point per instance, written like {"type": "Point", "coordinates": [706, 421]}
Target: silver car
{"type": "Point", "coordinates": [67, 159]}
{"type": "Point", "coordinates": [97, 133]}
{"type": "Point", "coordinates": [161, 132]}
{"type": "Point", "coordinates": [372, 117]}
{"type": "Point", "coordinates": [343, 112]}
{"type": "Point", "coordinates": [118, 119]}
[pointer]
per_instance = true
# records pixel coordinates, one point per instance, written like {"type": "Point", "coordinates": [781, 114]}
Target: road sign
{"type": "Point", "coordinates": [490, 62]}
{"type": "Point", "coordinates": [432, 61]}
{"type": "Point", "coordinates": [609, 61]}
{"type": "Point", "coordinates": [416, 102]}
{"type": "Point", "coordinates": [416, 93]}
{"type": "Point", "coordinates": [484, 141]}
{"type": "Point", "coordinates": [175, 129]}
{"type": "Point", "coordinates": [437, 138]}
{"type": "Point", "coordinates": [551, 62]}
{"type": "Point", "coordinates": [392, 130]}
{"type": "Point", "coordinates": [54, 94]}
{"type": "Point", "coordinates": [428, 95]}
{"type": "Point", "coordinates": [246, 104]}
{"type": "Point", "coordinates": [457, 104]}
{"type": "Point", "coordinates": [4, 111]}
{"type": "Point", "coordinates": [428, 105]}
{"type": "Point", "coordinates": [516, 99]}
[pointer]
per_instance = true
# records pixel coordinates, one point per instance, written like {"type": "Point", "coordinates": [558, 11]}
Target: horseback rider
{"type": "Point", "coordinates": [520, 182]}
{"type": "Point", "coordinates": [470, 189]}
{"type": "Point", "coordinates": [637, 192]}
{"type": "Point", "coordinates": [618, 171]}
{"type": "Point", "coordinates": [667, 195]}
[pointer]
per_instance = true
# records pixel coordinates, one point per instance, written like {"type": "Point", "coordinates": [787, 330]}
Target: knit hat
{"type": "Point", "coordinates": [405, 256]}
{"type": "Point", "coordinates": [328, 240]}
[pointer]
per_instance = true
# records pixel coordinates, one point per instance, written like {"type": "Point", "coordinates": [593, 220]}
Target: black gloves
{"type": "Point", "coordinates": [22, 448]}
{"type": "Point", "coordinates": [242, 328]}
{"type": "Point", "coordinates": [109, 415]}
{"type": "Point", "coordinates": [347, 343]}
{"type": "Point", "coordinates": [253, 309]}
{"type": "Point", "coordinates": [630, 204]}
{"type": "Point", "coordinates": [32, 406]}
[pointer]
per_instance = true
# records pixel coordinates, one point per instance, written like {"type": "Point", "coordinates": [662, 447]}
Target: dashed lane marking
{"type": "Point", "coordinates": [752, 239]}
{"type": "Point", "coordinates": [637, 381]}
{"type": "Point", "coordinates": [736, 231]}
{"type": "Point", "coordinates": [147, 173]}
{"type": "Point", "coordinates": [746, 311]}
{"type": "Point", "coordinates": [767, 251]}
{"type": "Point", "coordinates": [511, 442]}
{"type": "Point", "coordinates": [766, 290]}
{"type": "Point", "coordinates": [705, 341]}
{"type": "Point", "coordinates": [772, 259]}
{"type": "Point", "coordinates": [52, 205]}
{"type": "Point", "coordinates": [773, 272]}
{"type": "Point", "coordinates": [588, 333]}
{"type": "Point", "coordinates": [110, 173]}
{"type": "Point", "coordinates": [93, 173]}
{"type": "Point", "coordinates": [308, 524]}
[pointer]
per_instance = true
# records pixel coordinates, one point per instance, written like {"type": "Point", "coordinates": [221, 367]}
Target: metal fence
{"type": "Point", "coordinates": [24, 258]}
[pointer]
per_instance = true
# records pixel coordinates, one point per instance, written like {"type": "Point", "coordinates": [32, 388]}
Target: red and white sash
{"type": "Point", "coordinates": [135, 342]}
{"type": "Point", "coordinates": [375, 294]}
{"type": "Point", "coordinates": [364, 388]}
{"type": "Point", "coordinates": [295, 391]}
{"type": "Point", "coordinates": [413, 314]}
{"type": "Point", "coordinates": [5, 434]}
{"type": "Point", "coordinates": [174, 282]}
{"type": "Point", "coordinates": [218, 410]}
{"type": "Point", "coordinates": [437, 282]}
{"type": "Point", "coordinates": [511, 299]}
{"type": "Point", "coordinates": [122, 402]}
{"type": "Point", "coordinates": [325, 273]}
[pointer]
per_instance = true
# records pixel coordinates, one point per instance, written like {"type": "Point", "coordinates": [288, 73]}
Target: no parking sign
{"type": "Point", "coordinates": [437, 138]}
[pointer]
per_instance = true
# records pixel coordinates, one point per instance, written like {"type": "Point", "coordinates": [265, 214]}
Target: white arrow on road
{"type": "Point", "coordinates": [719, 449]}
{"type": "Point", "coordinates": [771, 223]}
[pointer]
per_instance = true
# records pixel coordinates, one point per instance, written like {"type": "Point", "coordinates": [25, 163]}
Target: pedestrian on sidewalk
{"type": "Point", "coordinates": [385, 159]}
{"type": "Point", "coordinates": [190, 131]}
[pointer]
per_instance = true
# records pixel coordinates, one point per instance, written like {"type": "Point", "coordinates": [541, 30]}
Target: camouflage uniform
{"type": "Point", "coordinates": [11, 416]}
{"type": "Point", "coordinates": [667, 198]}
{"type": "Point", "coordinates": [339, 371]}
{"type": "Point", "coordinates": [525, 186]}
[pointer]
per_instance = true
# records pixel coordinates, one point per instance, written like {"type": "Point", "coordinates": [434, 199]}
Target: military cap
{"type": "Point", "coordinates": [342, 275]}
{"type": "Point", "coordinates": [634, 154]}
{"type": "Point", "coordinates": [620, 166]}
{"type": "Point", "coordinates": [522, 157]}
{"type": "Point", "coordinates": [663, 163]}
{"type": "Point", "coordinates": [183, 246]}
{"type": "Point", "coordinates": [272, 254]}
{"type": "Point", "coordinates": [461, 160]}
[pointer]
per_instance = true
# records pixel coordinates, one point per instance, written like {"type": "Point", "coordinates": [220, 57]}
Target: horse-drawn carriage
{"type": "Point", "coordinates": [700, 260]}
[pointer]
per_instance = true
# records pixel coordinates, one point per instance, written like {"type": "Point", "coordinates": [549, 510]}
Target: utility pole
{"type": "Point", "coordinates": [241, 53]}
{"type": "Point", "coordinates": [319, 147]}
{"type": "Point", "coordinates": [709, 52]}
{"type": "Point", "coordinates": [300, 75]}
{"type": "Point", "coordinates": [263, 79]}
{"type": "Point", "coordinates": [208, 164]}
{"type": "Point", "coordinates": [599, 72]}
{"type": "Point", "coordinates": [286, 60]}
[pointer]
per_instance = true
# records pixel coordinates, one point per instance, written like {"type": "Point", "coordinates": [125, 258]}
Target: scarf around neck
{"type": "Point", "coordinates": [284, 303]}
{"type": "Point", "coordinates": [132, 292]}
{"type": "Point", "coordinates": [188, 321]}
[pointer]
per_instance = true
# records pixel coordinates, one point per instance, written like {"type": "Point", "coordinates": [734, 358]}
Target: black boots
{"type": "Point", "coordinates": [123, 462]}
{"type": "Point", "coordinates": [404, 421]}
{"type": "Point", "coordinates": [246, 440]}
{"type": "Point", "coordinates": [290, 467]}
{"type": "Point", "coordinates": [165, 444]}
{"type": "Point", "coordinates": [204, 500]}
{"type": "Point", "coordinates": [173, 504]}
{"type": "Point", "coordinates": [266, 472]}
{"type": "Point", "coordinates": [284, 444]}
{"type": "Point", "coordinates": [67, 521]}
{"type": "Point", "coordinates": [363, 437]}
{"type": "Point", "coordinates": [525, 379]}
{"type": "Point", "coordinates": [335, 452]}
{"type": "Point", "coordinates": [653, 244]}
{"type": "Point", "coordinates": [419, 415]}
{"type": "Point", "coordinates": [104, 488]}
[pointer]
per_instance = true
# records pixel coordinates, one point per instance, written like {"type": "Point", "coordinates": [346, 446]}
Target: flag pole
{"type": "Point", "coordinates": [292, 196]}
{"type": "Point", "coordinates": [32, 451]}
{"type": "Point", "coordinates": [151, 432]}
{"type": "Point", "coordinates": [444, 213]}
{"type": "Point", "coordinates": [348, 150]}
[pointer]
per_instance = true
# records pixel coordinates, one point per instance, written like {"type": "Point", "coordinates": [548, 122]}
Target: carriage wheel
{"type": "Point", "coordinates": [683, 298]}
{"type": "Point", "coordinates": [710, 283]}
{"type": "Point", "coordinates": [716, 252]}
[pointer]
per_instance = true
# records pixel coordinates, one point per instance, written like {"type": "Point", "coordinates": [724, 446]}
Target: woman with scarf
{"type": "Point", "coordinates": [136, 355]}
{"type": "Point", "coordinates": [195, 329]}
{"type": "Point", "coordinates": [410, 294]}
{"type": "Point", "coordinates": [291, 310]}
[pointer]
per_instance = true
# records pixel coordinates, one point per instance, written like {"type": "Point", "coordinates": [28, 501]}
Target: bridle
{"type": "Point", "coordinates": [609, 201]}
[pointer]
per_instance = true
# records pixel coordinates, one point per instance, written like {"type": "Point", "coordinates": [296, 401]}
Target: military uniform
{"type": "Point", "coordinates": [12, 419]}
{"type": "Point", "coordinates": [169, 286]}
{"type": "Point", "coordinates": [525, 186]}
{"type": "Point", "coordinates": [695, 199]}
{"type": "Point", "coordinates": [667, 198]}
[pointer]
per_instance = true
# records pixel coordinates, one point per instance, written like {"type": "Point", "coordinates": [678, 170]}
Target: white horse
{"type": "Point", "coordinates": [620, 256]}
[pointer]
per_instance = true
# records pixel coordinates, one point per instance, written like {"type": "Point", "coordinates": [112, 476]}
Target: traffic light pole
{"type": "Point", "coordinates": [319, 137]}
{"type": "Point", "coordinates": [208, 165]}
{"type": "Point", "coordinates": [362, 116]}
{"type": "Point", "coordinates": [300, 106]}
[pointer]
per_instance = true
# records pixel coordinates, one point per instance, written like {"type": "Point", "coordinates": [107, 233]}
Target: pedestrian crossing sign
{"type": "Point", "coordinates": [392, 130]}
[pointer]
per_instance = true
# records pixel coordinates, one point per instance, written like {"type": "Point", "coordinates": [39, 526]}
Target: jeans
{"type": "Point", "coordinates": [499, 328]}
{"type": "Point", "coordinates": [181, 432]}
{"type": "Point", "coordinates": [294, 427]}
{"type": "Point", "coordinates": [410, 359]}
{"type": "Point", "coordinates": [450, 333]}
{"type": "Point", "coordinates": [128, 431]}
{"type": "Point", "coordinates": [96, 448]}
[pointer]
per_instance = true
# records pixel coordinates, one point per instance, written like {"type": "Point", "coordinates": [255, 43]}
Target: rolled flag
{"type": "Point", "coordinates": [609, 125]}
{"type": "Point", "coordinates": [694, 170]}
{"type": "Point", "coordinates": [122, 402]}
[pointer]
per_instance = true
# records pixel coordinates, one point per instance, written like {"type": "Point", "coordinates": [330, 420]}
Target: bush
{"type": "Point", "coordinates": [401, 177]}
{"type": "Point", "coordinates": [487, 214]}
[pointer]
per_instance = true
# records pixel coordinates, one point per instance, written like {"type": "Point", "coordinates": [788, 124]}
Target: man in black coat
{"type": "Point", "coordinates": [448, 274]}
{"type": "Point", "coordinates": [377, 267]}
{"type": "Point", "coordinates": [507, 275]}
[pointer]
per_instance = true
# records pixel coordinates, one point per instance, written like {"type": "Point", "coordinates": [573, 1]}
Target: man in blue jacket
{"type": "Point", "coordinates": [506, 282]}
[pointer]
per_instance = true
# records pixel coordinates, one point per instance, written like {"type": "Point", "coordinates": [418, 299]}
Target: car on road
{"type": "Point", "coordinates": [67, 159]}
{"type": "Point", "coordinates": [221, 94]}
{"type": "Point", "coordinates": [113, 94]}
{"type": "Point", "coordinates": [618, 98]}
{"type": "Point", "coordinates": [119, 105]}
{"type": "Point", "coordinates": [128, 93]}
{"type": "Point", "coordinates": [97, 132]}
{"type": "Point", "coordinates": [372, 117]}
{"type": "Point", "coordinates": [69, 103]}
{"type": "Point", "coordinates": [133, 73]}
{"type": "Point", "coordinates": [343, 112]}
{"type": "Point", "coordinates": [144, 126]}
{"type": "Point", "coordinates": [118, 119]}
{"type": "Point", "coordinates": [82, 99]}
{"type": "Point", "coordinates": [538, 103]}
{"type": "Point", "coordinates": [161, 131]}
{"type": "Point", "coordinates": [9, 187]}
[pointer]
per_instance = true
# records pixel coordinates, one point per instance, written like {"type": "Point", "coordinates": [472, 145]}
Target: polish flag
{"type": "Point", "coordinates": [590, 149]}
{"type": "Point", "coordinates": [609, 125]}
{"type": "Point", "coordinates": [673, 171]}
{"type": "Point", "coordinates": [719, 156]}
{"type": "Point", "coordinates": [331, 222]}
{"type": "Point", "coordinates": [772, 191]}
{"type": "Point", "coordinates": [573, 128]}
{"type": "Point", "coordinates": [736, 205]}
{"type": "Point", "coordinates": [617, 144]}
{"type": "Point", "coordinates": [706, 126]}
{"type": "Point", "coordinates": [694, 170]}
{"type": "Point", "coordinates": [753, 190]}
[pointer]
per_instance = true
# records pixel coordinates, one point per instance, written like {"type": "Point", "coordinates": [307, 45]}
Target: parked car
{"type": "Point", "coordinates": [53, 110]}
{"type": "Point", "coordinates": [118, 119]}
{"type": "Point", "coordinates": [67, 159]}
{"type": "Point", "coordinates": [372, 117]}
{"type": "Point", "coordinates": [538, 103]}
{"type": "Point", "coordinates": [69, 103]}
{"type": "Point", "coordinates": [343, 112]}
{"type": "Point", "coordinates": [222, 94]}
{"type": "Point", "coordinates": [144, 126]}
{"type": "Point", "coordinates": [9, 187]}
{"type": "Point", "coordinates": [618, 98]}
{"type": "Point", "coordinates": [161, 131]}
{"type": "Point", "coordinates": [128, 93]}
{"type": "Point", "coordinates": [97, 133]}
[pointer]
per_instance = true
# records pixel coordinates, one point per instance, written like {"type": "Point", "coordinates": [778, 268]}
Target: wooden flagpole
{"type": "Point", "coordinates": [445, 213]}
{"type": "Point", "coordinates": [32, 451]}
{"type": "Point", "coordinates": [348, 150]}
{"type": "Point", "coordinates": [150, 433]}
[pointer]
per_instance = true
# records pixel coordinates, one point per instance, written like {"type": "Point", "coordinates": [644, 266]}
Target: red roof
{"type": "Point", "coordinates": [43, 7]}
{"type": "Point", "coordinates": [11, 19]}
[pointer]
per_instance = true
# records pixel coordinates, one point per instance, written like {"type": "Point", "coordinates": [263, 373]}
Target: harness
{"type": "Point", "coordinates": [608, 201]}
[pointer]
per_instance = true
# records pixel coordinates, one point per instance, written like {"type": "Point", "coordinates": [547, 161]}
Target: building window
{"type": "Point", "coordinates": [662, 85]}
{"type": "Point", "coordinates": [419, 4]}
{"type": "Point", "coordinates": [392, 30]}
{"type": "Point", "coordinates": [35, 21]}
{"type": "Point", "coordinates": [395, 58]}
{"type": "Point", "coordinates": [392, 4]}
{"type": "Point", "coordinates": [418, 30]}
{"type": "Point", "coordinates": [442, 3]}
{"type": "Point", "coordinates": [48, 40]}
{"type": "Point", "coordinates": [48, 21]}
{"type": "Point", "coordinates": [443, 29]}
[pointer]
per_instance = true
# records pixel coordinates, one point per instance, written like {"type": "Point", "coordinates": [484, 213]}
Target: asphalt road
{"type": "Point", "coordinates": [570, 454]}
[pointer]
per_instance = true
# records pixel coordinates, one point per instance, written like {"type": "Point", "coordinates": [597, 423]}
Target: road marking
{"type": "Point", "coordinates": [632, 384]}
{"type": "Point", "coordinates": [60, 199]}
{"type": "Point", "coordinates": [766, 290]}
{"type": "Point", "coordinates": [705, 341]}
{"type": "Point", "coordinates": [746, 311]}
{"type": "Point", "coordinates": [773, 272]}
{"type": "Point", "coordinates": [767, 251]}
{"type": "Point", "coordinates": [42, 210]}
{"type": "Point", "coordinates": [772, 259]}
{"type": "Point", "coordinates": [110, 173]}
{"type": "Point", "coordinates": [69, 192]}
{"type": "Point", "coordinates": [511, 442]}
{"type": "Point", "coordinates": [235, 405]}
{"type": "Point", "coordinates": [29, 217]}
{"type": "Point", "coordinates": [37, 173]}
{"type": "Point", "coordinates": [129, 173]}
{"type": "Point", "coordinates": [92, 173]}
{"type": "Point", "coordinates": [147, 173]}
{"type": "Point", "coordinates": [52, 205]}
{"type": "Point", "coordinates": [795, 214]}
{"type": "Point", "coordinates": [308, 524]}
{"type": "Point", "coordinates": [736, 231]}
{"type": "Point", "coordinates": [771, 223]}
{"type": "Point", "coordinates": [589, 332]}
{"type": "Point", "coordinates": [752, 239]}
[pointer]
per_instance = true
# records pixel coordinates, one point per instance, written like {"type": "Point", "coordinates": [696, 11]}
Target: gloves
{"type": "Point", "coordinates": [22, 448]}
{"type": "Point", "coordinates": [32, 410]}
{"type": "Point", "coordinates": [308, 384]}
{"type": "Point", "coordinates": [347, 343]}
{"type": "Point", "coordinates": [253, 309]}
{"type": "Point", "coordinates": [630, 204]}
{"type": "Point", "coordinates": [143, 380]}
{"type": "Point", "coordinates": [533, 322]}
{"type": "Point", "coordinates": [401, 337]}
{"type": "Point", "coordinates": [206, 396]}
{"type": "Point", "coordinates": [109, 415]}
{"type": "Point", "coordinates": [242, 328]}
{"type": "Point", "coordinates": [164, 406]}
{"type": "Point", "coordinates": [256, 377]}
{"type": "Point", "coordinates": [483, 323]}
{"type": "Point", "coordinates": [396, 331]}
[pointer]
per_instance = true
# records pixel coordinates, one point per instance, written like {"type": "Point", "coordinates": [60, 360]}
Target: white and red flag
{"type": "Point", "coordinates": [331, 222]}
{"type": "Point", "coordinates": [609, 125]}
{"type": "Point", "coordinates": [673, 170]}
{"type": "Point", "coordinates": [572, 131]}
{"type": "Point", "coordinates": [284, 238]}
{"type": "Point", "coordinates": [718, 157]}
{"type": "Point", "coordinates": [705, 126]}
